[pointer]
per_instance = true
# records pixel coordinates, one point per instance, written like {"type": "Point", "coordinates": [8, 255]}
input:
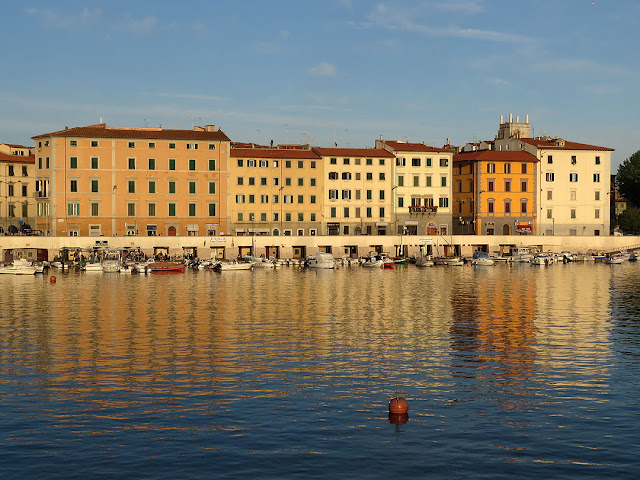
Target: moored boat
{"type": "Point", "coordinates": [159, 267]}
{"type": "Point", "coordinates": [19, 267]}
{"type": "Point", "coordinates": [481, 258]}
{"type": "Point", "coordinates": [230, 265]}
{"type": "Point", "coordinates": [322, 260]}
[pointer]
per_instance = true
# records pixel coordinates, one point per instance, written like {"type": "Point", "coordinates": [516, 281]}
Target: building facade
{"type": "Point", "coordinates": [100, 180]}
{"type": "Point", "coordinates": [421, 187]}
{"type": "Point", "coordinates": [17, 187]}
{"type": "Point", "coordinates": [494, 193]}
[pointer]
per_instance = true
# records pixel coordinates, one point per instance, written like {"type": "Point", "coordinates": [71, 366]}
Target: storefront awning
{"type": "Point", "coordinates": [523, 227]}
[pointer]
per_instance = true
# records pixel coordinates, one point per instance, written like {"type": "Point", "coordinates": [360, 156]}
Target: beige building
{"type": "Point", "coordinates": [100, 180]}
{"type": "Point", "coordinates": [422, 177]}
{"type": "Point", "coordinates": [573, 178]}
{"type": "Point", "coordinates": [356, 191]}
{"type": "Point", "coordinates": [17, 187]}
{"type": "Point", "coordinates": [275, 191]}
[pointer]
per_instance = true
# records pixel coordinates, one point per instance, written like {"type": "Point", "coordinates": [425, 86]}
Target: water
{"type": "Point", "coordinates": [510, 371]}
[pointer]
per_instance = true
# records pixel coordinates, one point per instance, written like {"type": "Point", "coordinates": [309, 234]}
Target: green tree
{"type": "Point", "coordinates": [628, 179]}
{"type": "Point", "coordinates": [630, 220]}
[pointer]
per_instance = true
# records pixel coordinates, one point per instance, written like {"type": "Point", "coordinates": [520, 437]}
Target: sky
{"type": "Point", "coordinates": [343, 71]}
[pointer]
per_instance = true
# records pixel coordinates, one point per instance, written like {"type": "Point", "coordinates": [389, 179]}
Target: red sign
{"type": "Point", "coordinates": [525, 227]}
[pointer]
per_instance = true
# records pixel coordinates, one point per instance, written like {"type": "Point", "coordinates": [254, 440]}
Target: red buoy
{"type": "Point", "coordinates": [398, 405]}
{"type": "Point", "coordinates": [52, 279]}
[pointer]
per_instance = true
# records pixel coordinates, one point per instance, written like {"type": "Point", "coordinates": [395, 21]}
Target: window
{"type": "Point", "coordinates": [491, 185]}
{"type": "Point", "coordinates": [523, 168]}
{"type": "Point", "coordinates": [381, 162]}
{"type": "Point", "coordinates": [94, 209]}
{"type": "Point", "coordinates": [596, 177]}
{"type": "Point", "coordinates": [212, 188]}
{"type": "Point", "coordinates": [212, 164]}
{"type": "Point", "coordinates": [300, 198]}
{"type": "Point", "coordinates": [523, 186]}
{"type": "Point", "coordinates": [333, 194]}
{"type": "Point", "coordinates": [152, 164]}
{"type": "Point", "coordinates": [251, 163]}
{"type": "Point", "coordinates": [400, 180]}
{"type": "Point", "coordinates": [346, 161]}
{"type": "Point", "coordinates": [94, 143]}
{"type": "Point", "coordinates": [212, 208]}
{"type": "Point", "coordinates": [172, 164]}
{"type": "Point", "coordinates": [443, 202]}
{"type": "Point", "coordinates": [346, 194]}
{"type": "Point", "coordinates": [333, 175]}
{"type": "Point", "coordinates": [381, 176]}
{"type": "Point", "coordinates": [240, 198]}
{"type": "Point", "coordinates": [381, 194]}
{"type": "Point", "coordinates": [574, 160]}
{"type": "Point", "coordinates": [507, 206]}
{"type": "Point", "coordinates": [346, 212]}
{"type": "Point", "coordinates": [401, 162]}
{"type": "Point", "coordinates": [523, 206]}
{"type": "Point", "coordinates": [73, 209]}
{"type": "Point", "coordinates": [573, 195]}
{"type": "Point", "coordinates": [192, 164]}
{"type": "Point", "coordinates": [346, 175]}
{"type": "Point", "coordinates": [240, 181]}
{"type": "Point", "coordinates": [573, 213]}
{"type": "Point", "coordinates": [549, 177]}
{"type": "Point", "coordinates": [131, 186]}
{"type": "Point", "coordinates": [289, 198]}
{"type": "Point", "coordinates": [172, 146]}
{"type": "Point", "coordinates": [192, 209]}
{"type": "Point", "coordinates": [369, 212]}
{"type": "Point", "coordinates": [73, 186]}
{"type": "Point", "coordinates": [94, 186]}
{"type": "Point", "coordinates": [333, 161]}
{"type": "Point", "coordinates": [40, 163]}
{"type": "Point", "coordinates": [276, 163]}
{"type": "Point", "coordinates": [549, 194]}
{"type": "Point", "coordinates": [276, 199]}
{"type": "Point", "coordinates": [416, 180]}
{"type": "Point", "coordinates": [597, 213]}
{"type": "Point", "coordinates": [573, 177]}
{"type": "Point", "coordinates": [491, 168]}
{"type": "Point", "coordinates": [490, 206]}
{"type": "Point", "coordinates": [312, 199]}
{"type": "Point", "coordinates": [429, 162]}
{"type": "Point", "coordinates": [132, 144]}
{"type": "Point", "coordinates": [369, 176]}
{"type": "Point", "coordinates": [131, 209]}
{"type": "Point", "coordinates": [507, 168]}
{"type": "Point", "coordinates": [152, 186]}
{"type": "Point", "coordinates": [287, 182]}
{"type": "Point", "coordinates": [132, 163]}
{"type": "Point", "coordinates": [369, 161]}
{"type": "Point", "coordinates": [369, 194]}
{"type": "Point", "coordinates": [264, 198]}
{"type": "Point", "coordinates": [549, 213]}
{"type": "Point", "coordinates": [444, 162]}
{"type": "Point", "coordinates": [312, 217]}
{"type": "Point", "coordinates": [287, 217]}
{"type": "Point", "coordinates": [287, 164]}
{"type": "Point", "coordinates": [400, 202]}
{"type": "Point", "coordinates": [428, 180]}
{"type": "Point", "coordinates": [313, 182]}
{"type": "Point", "coordinates": [73, 143]}
{"type": "Point", "coordinates": [172, 187]}
{"type": "Point", "coordinates": [300, 164]}
{"type": "Point", "coordinates": [381, 212]}
{"type": "Point", "coordinates": [73, 163]}
{"type": "Point", "coordinates": [252, 198]}
{"type": "Point", "coordinates": [152, 209]}
{"type": "Point", "coordinates": [252, 181]}
{"type": "Point", "coordinates": [192, 146]}
{"type": "Point", "coordinates": [152, 144]}
{"type": "Point", "coordinates": [240, 216]}
{"type": "Point", "coordinates": [300, 182]}
{"type": "Point", "coordinates": [46, 162]}
{"type": "Point", "coordinates": [443, 181]}
{"type": "Point", "coordinates": [597, 160]}
{"type": "Point", "coordinates": [240, 163]}
{"type": "Point", "coordinates": [415, 162]}
{"type": "Point", "coordinates": [507, 185]}
{"type": "Point", "coordinates": [597, 195]}
{"type": "Point", "coordinates": [549, 159]}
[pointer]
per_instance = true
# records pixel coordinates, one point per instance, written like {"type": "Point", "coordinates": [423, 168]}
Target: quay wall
{"type": "Point", "coordinates": [298, 246]}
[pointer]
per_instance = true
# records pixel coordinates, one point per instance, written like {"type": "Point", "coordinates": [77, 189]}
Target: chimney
{"type": "Point", "coordinates": [517, 118]}
{"type": "Point", "coordinates": [209, 128]}
{"type": "Point", "coordinates": [510, 117]}
{"type": "Point", "coordinates": [196, 128]}
{"type": "Point", "coordinates": [501, 119]}
{"type": "Point", "coordinates": [526, 118]}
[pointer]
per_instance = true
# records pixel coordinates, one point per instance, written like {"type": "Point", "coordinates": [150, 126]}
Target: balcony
{"type": "Point", "coordinates": [421, 209]}
{"type": "Point", "coordinates": [40, 195]}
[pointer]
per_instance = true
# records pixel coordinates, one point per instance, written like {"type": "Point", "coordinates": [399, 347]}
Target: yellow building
{"type": "Point", "coordinates": [494, 193]}
{"type": "Point", "coordinates": [100, 180]}
{"type": "Point", "coordinates": [17, 187]}
{"type": "Point", "coordinates": [357, 191]}
{"type": "Point", "coordinates": [275, 191]}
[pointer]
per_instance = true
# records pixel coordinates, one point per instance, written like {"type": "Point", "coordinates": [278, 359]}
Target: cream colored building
{"type": "Point", "coordinates": [275, 191]}
{"type": "Point", "coordinates": [574, 180]}
{"type": "Point", "coordinates": [17, 187]}
{"type": "Point", "coordinates": [422, 177]}
{"type": "Point", "coordinates": [357, 191]}
{"type": "Point", "coordinates": [114, 181]}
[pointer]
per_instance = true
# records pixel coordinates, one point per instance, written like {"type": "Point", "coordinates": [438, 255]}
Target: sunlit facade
{"type": "Point", "coordinates": [17, 187]}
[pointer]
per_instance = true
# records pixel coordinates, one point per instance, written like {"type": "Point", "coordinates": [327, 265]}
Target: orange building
{"type": "Point", "coordinates": [100, 180]}
{"type": "Point", "coordinates": [494, 193]}
{"type": "Point", "coordinates": [17, 186]}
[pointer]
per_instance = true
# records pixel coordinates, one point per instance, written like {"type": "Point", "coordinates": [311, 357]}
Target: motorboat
{"type": "Point", "coordinates": [481, 258]}
{"type": "Point", "coordinates": [230, 265]}
{"type": "Point", "coordinates": [614, 259]}
{"type": "Point", "coordinates": [166, 267]}
{"type": "Point", "coordinates": [322, 260]}
{"type": "Point", "coordinates": [373, 262]}
{"type": "Point", "coordinates": [92, 267]}
{"type": "Point", "coordinates": [425, 261]}
{"type": "Point", "coordinates": [111, 262]}
{"type": "Point", "coordinates": [544, 259]}
{"type": "Point", "coordinates": [523, 254]}
{"type": "Point", "coordinates": [19, 267]}
{"type": "Point", "coordinates": [387, 262]}
{"type": "Point", "coordinates": [454, 262]}
{"type": "Point", "coordinates": [260, 262]}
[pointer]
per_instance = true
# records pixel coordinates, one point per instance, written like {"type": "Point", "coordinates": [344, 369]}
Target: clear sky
{"type": "Point", "coordinates": [347, 71]}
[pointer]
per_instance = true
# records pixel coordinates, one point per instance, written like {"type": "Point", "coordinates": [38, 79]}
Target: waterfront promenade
{"type": "Point", "coordinates": [298, 246]}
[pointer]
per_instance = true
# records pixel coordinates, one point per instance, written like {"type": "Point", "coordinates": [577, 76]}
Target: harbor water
{"type": "Point", "coordinates": [510, 371]}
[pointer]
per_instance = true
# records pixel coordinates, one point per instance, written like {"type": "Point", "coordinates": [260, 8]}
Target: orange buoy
{"type": "Point", "coordinates": [52, 279]}
{"type": "Point", "coordinates": [398, 405]}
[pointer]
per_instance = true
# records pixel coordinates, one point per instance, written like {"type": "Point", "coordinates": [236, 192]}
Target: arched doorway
{"type": "Point", "coordinates": [506, 229]}
{"type": "Point", "coordinates": [276, 232]}
{"type": "Point", "coordinates": [171, 232]}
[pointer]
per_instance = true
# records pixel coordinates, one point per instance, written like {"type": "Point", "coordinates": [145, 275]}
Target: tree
{"type": "Point", "coordinates": [628, 179]}
{"type": "Point", "coordinates": [630, 220]}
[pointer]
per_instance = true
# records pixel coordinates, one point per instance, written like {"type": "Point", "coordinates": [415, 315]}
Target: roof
{"type": "Point", "coordinates": [102, 131]}
{"type": "Point", "coordinates": [4, 157]}
{"type": "Point", "coordinates": [353, 152]}
{"type": "Point", "coordinates": [12, 145]}
{"type": "Point", "coordinates": [496, 156]}
{"type": "Point", "coordinates": [399, 146]}
{"type": "Point", "coordinates": [273, 153]}
{"type": "Point", "coordinates": [551, 144]}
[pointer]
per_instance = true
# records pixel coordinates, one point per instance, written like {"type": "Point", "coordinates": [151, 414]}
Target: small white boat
{"type": "Point", "coordinates": [454, 262]}
{"type": "Point", "coordinates": [322, 260]}
{"type": "Point", "coordinates": [230, 265]}
{"type": "Point", "coordinates": [93, 267]}
{"type": "Point", "coordinates": [425, 261]}
{"type": "Point", "coordinates": [373, 262]}
{"type": "Point", "coordinates": [481, 259]}
{"type": "Point", "coordinates": [544, 259]}
{"type": "Point", "coordinates": [614, 259]}
{"type": "Point", "coordinates": [19, 267]}
{"type": "Point", "coordinates": [111, 262]}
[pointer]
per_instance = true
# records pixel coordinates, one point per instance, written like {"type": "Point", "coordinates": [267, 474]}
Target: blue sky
{"type": "Point", "coordinates": [349, 70]}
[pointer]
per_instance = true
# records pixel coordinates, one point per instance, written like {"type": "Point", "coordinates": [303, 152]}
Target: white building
{"type": "Point", "coordinates": [574, 180]}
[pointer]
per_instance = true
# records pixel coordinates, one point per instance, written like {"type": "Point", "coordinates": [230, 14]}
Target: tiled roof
{"type": "Point", "coordinates": [496, 156]}
{"type": "Point", "coordinates": [17, 158]}
{"type": "Point", "coordinates": [15, 146]}
{"type": "Point", "coordinates": [353, 152]}
{"type": "Point", "coordinates": [273, 153]}
{"type": "Point", "coordinates": [102, 131]}
{"type": "Point", "coordinates": [413, 147]}
{"type": "Point", "coordinates": [551, 144]}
